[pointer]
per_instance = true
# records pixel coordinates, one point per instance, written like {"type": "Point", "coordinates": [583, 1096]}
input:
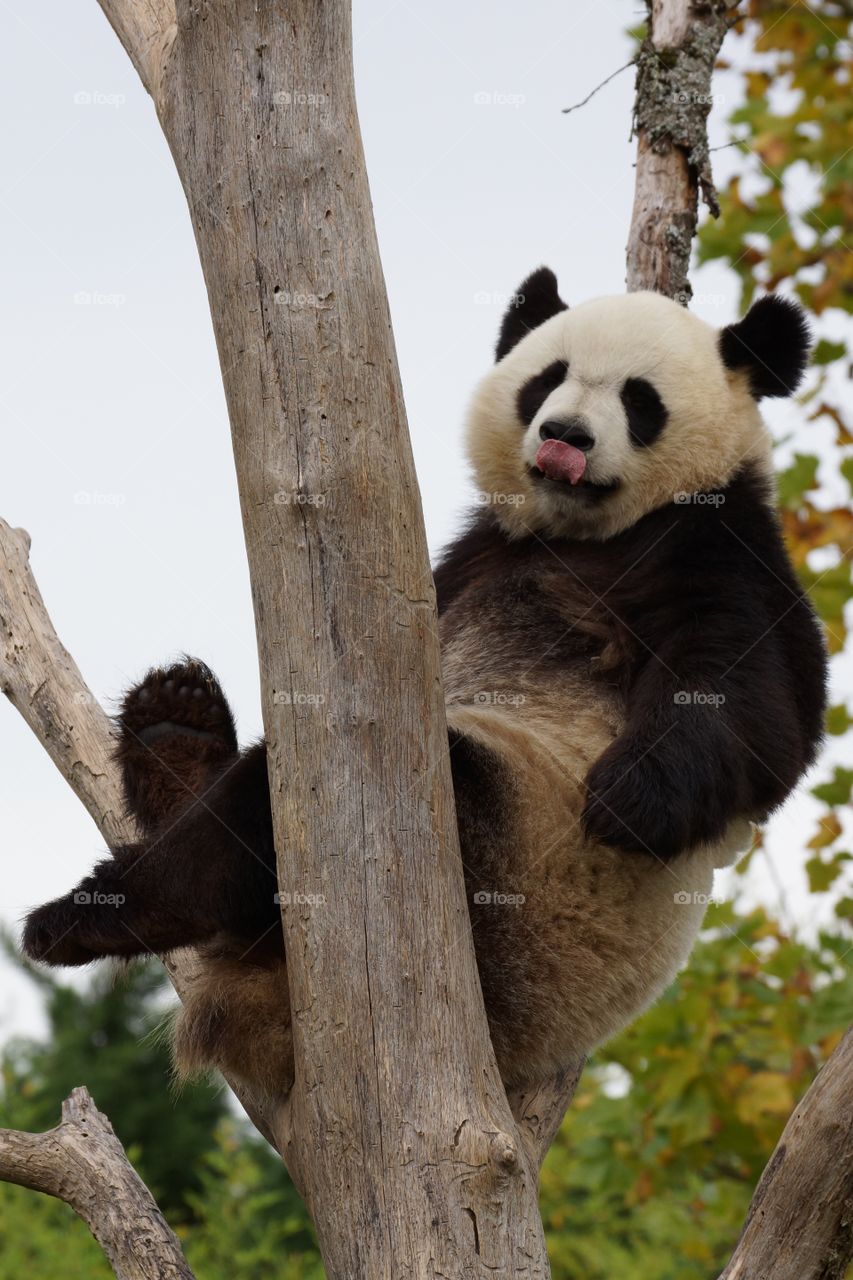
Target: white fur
{"type": "Point", "coordinates": [713, 427]}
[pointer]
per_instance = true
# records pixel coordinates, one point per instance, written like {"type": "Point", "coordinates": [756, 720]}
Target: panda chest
{"type": "Point", "coordinates": [524, 652]}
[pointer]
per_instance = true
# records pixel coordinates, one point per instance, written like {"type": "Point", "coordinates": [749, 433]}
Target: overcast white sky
{"type": "Point", "coordinates": [116, 453]}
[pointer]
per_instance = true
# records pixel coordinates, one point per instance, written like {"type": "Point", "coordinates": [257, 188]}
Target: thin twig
{"type": "Point", "coordinates": [589, 96]}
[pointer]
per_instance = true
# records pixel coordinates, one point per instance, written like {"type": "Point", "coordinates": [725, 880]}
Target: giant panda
{"type": "Point", "coordinates": [632, 674]}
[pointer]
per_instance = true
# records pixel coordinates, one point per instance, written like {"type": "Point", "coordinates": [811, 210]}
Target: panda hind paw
{"type": "Point", "coordinates": [185, 697]}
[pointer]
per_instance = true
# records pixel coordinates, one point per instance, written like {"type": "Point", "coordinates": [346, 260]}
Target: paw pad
{"type": "Point", "coordinates": [185, 698]}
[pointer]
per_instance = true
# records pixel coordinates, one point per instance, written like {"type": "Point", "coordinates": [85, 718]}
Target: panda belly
{"type": "Point", "coordinates": [573, 939]}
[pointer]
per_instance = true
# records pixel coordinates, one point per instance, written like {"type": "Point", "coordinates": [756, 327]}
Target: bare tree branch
{"type": "Point", "coordinates": [673, 99]}
{"type": "Point", "coordinates": [800, 1222]}
{"type": "Point", "coordinates": [42, 681]}
{"type": "Point", "coordinates": [146, 28]}
{"type": "Point", "coordinates": [82, 1162]}
{"type": "Point", "coordinates": [398, 1105]}
{"type": "Point", "coordinates": [577, 106]}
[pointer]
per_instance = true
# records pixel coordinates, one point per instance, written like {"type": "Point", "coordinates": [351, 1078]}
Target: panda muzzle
{"type": "Point", "coordinates": [560, 461]}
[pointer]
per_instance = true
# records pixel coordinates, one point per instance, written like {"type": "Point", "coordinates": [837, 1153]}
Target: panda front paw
{"type": "Point", "coordinates": [664, 794]}
{"type": "Point", "coordinates": [624, 809]}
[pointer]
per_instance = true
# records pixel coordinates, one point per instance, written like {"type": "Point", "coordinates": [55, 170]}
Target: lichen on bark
{"type": "Point", "coordinates": [674, 96]}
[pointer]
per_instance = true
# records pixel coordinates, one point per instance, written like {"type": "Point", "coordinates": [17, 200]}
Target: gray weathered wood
{"type": "Point", "coordinates": [82, 1162]}
{"type": "Point", "coordinates": [539, 1110]}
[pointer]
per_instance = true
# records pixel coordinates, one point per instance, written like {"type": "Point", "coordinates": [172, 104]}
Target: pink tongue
{"type": "Point", "coordinates": [560, 461]}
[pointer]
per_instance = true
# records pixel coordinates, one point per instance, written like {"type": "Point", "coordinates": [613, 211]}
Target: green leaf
{"type": "Point", "coordinates": [846, 469]}
{"type": "Point", "coordinates": [838, 720]}
{"type": "Point", "coordinates": [797, 479]}
{"type": "Point", "coordinates": [838, 790]}
{"type": "Point", "coordinates": [822, 875]}
{"type": "Point", "coordinates": [827, 352]}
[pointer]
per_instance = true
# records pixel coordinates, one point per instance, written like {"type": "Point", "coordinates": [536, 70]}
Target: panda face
{"type": "Point", "coordinates": [598, 415]}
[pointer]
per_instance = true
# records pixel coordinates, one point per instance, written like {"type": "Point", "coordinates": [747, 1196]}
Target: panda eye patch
{"type": "Point", "coordinates": [645, 411]}
{"type": "Point", "coordinates": [537, 389]}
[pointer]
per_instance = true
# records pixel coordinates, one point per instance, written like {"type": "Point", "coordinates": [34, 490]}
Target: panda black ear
{"type": "Point", "coordinates": [772, 343]}
{"type": "Point", "coordinates": [534, 302]}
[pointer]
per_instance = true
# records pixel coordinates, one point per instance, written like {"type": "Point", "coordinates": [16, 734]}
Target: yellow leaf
{"type": "Point", "coordinates": [828, 831]}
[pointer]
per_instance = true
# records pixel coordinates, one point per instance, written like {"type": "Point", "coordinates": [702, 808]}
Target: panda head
{"type": "Point", "coordinates": [594, 416]}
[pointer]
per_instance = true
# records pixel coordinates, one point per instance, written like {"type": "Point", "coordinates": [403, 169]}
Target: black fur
{"type": "Point", "coordinates": [698, 600]}
{"type": "Point", "coordinates": [536, 301]}
{"type": "Point", "coordinates": [694, 613]}
{"type": "Point", "coordinates": [772, 343]}
{"type": "Point", "coordinates": [206, 863]}
{"type": "Point", "coordinates": [537, 389]}
{"type": "Point", "coordinates": [210, 871]}
{"type": "Point", "coordinates": [645, 411]}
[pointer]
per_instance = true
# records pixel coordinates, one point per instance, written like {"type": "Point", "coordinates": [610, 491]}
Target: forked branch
{"type": "Point", "coordinates": [82, 1162]}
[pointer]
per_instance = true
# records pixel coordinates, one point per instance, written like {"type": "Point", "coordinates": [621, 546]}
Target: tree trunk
{"type": "Point", "coordinates": [398, 1109]}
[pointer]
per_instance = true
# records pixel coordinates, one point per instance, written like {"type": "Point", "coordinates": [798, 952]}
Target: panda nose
{"type": "Point", "coordinates": [572, 431]}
